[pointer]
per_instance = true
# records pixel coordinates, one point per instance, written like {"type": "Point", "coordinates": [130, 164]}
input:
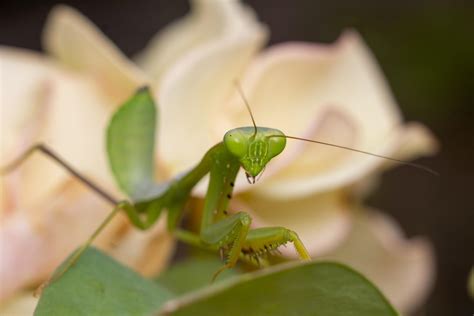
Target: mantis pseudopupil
{"type": "Point", "coordinates": [250, 148]}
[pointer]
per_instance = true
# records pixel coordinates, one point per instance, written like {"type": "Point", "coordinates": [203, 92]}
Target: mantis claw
{"type": "Point", "coordinates": [221, 269]}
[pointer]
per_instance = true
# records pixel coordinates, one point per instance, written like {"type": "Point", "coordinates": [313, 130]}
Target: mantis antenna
{"type": "Point", "coordinates": [242, 95]}
{"type": "Point", "coordinates": [403, 162]}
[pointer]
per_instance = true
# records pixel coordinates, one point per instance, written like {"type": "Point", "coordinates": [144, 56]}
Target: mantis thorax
{"type": "Point", "coordinates": [254, 147]}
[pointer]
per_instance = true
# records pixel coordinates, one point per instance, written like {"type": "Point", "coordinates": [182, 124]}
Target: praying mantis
{"type": "Point", "coordinates": [249, 148]}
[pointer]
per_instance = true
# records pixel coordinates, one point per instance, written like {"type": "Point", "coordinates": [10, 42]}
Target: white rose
{"type": "Point", "coordinates": [64, 99]}
{"type": "Point", "coordinates": [333, 93]}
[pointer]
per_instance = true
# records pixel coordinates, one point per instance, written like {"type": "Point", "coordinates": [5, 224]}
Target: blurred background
{"type": "Point", "coordinates": [427, 53]}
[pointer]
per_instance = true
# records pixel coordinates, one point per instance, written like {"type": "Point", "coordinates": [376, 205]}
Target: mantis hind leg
{"type": "Point", "coordinates": [54, 156]}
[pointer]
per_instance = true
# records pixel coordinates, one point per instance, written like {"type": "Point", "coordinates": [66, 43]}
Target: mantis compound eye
{"type": "Point", "coordinates": [276, 144]}
{"type": "Point", "coordinates": [237, 143]}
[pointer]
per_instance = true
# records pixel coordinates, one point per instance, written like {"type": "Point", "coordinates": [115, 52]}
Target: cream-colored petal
{"type": "Point", "coordinates": [342, 171]}
{"type": "Point", "coordinates": [207, 21]}
{"type": "Point", "coordinates": [416, 140]}
{"type": "Point", "coordinates": [196, 85]}
{"type": "Point", "coordinates": [77, 43]}
{"type": "Point", "coordinates": [43, 217]}
{"type": "Point", "coordinates": [68, 112]}
{"type": "Point", "coordinates": [402, 268]}
{"type": "Point", "coordinates": [21, 259]}
{"type": "Point", "coordinates": [148, 251]}
{"type": "Point", "coordinates": [305, 168]}
{"type": "Point", "coordinates": [23, 92]}
{"type": "Point", "coordinates": [289, 85]}
{"type": "Point", "coordinates": [293, 85]}
{"type": "Point", "coordinates": [75, 128]}
{"type": "Point", "coordinates": [321, 221]}
{"type": "Point", "coordinates": [352, 167]}
{"type": "Point", "coordinates": [27, 81]}
{"type": "Point", "coordinates": [32, 247]}
{"type": "Point", "coordinates": [23, 304]}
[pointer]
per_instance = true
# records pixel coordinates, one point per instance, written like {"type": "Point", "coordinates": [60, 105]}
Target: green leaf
{"type": "Point", "coordinates": [193, 274]}
{"type": "Point", "coordinates": [130, 144]}
{"type": "Point", "coordinates": [316, 289]}
{"type": "Point", "coordinates": [98, 285]}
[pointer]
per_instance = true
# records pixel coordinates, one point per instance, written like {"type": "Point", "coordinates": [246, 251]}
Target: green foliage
{"type": "Point", "coordinates": [131, 142]}
{"type": "Point", "coordinates": [316, 289]}
{"type": "Point", "coordinates": [98, 285]}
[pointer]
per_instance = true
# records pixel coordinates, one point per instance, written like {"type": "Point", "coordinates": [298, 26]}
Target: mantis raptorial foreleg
{"type": "Point", "coordinates": [229, 233]}
{"type": "Point", "coordinates": [266, 239]}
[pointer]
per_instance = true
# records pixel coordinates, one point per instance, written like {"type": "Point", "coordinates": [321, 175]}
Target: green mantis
{"type": "Point", "coordinates": [250, 148]}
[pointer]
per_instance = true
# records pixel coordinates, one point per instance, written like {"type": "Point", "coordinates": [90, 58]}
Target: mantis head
{"type": "Point", "coordinates": [254, 147]}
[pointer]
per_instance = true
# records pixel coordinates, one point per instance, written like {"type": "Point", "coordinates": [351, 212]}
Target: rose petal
{"type": "Point", "coordinates": [290, 84]}
{"type": "Point", "coordinates": [416, 140]}
{"type": "Point", "coordinates": [23, 304]}
{"type": "Point", "coordinates": [70, 115]}
{"type": "Point", "coordinates": [77, 43]}
{"type": "Point", "coordinates": [301, 82]}
{"type": "Point", "coordinates": [197, 84]}
{"type": "Point", "coordinates": [301, 160]}
{"type": "Point", "coordinates": [47, 218]}
{"type": "Point", "coordinates": [23, 85]}
{"type": "Point", "coordinates": [402, 268]}
{"type": "Point", "coordinates": [148, 251]}
{"type": "Point", "coordinates": [32, 246]}
{"type": "Point", "coordinates": [321, 221]}
{"type": "Point", "coordinates": [352, 167]}
{"type": "Point", "coordinates": [207, 22]}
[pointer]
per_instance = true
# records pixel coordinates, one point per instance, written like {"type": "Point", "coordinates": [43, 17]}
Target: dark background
{"type": "Point", "coordinates": [426, 50]}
